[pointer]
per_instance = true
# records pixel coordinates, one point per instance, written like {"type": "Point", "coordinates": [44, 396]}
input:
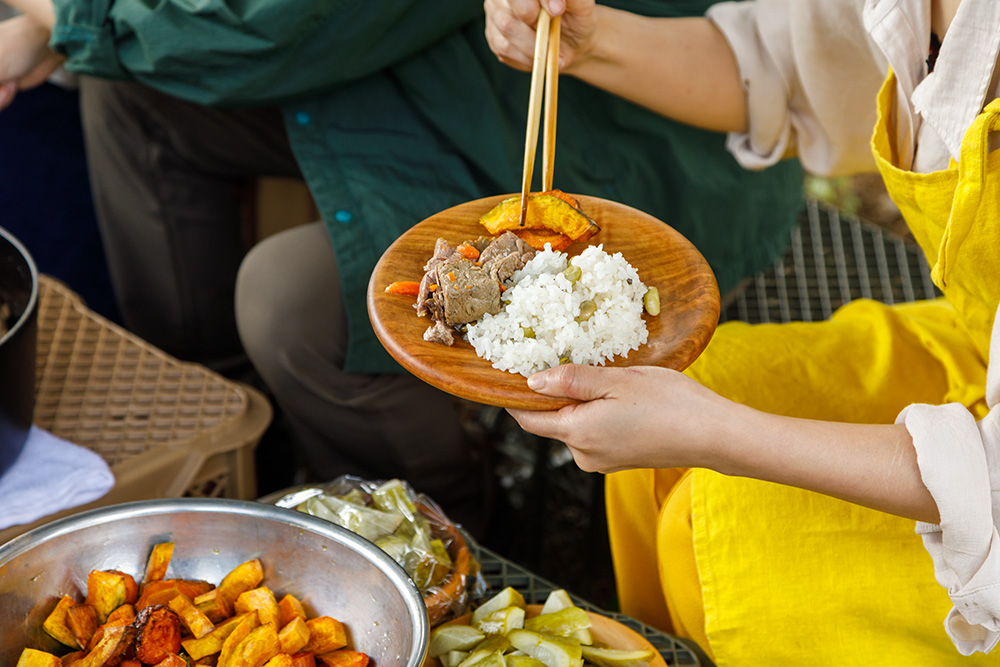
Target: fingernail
{"type": "Point", "coordinates": [536, 382]}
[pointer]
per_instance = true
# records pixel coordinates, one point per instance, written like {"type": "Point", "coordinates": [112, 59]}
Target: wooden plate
{"type": "Point", "coordinates": [603, 629]}
{"type": "Point", "coordinates": [689, 301]}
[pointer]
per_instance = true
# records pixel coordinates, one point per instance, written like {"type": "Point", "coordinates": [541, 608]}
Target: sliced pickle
{"type": "Point", "coordinates": [453, 638]}
{"type": "Point", "coordinates": [508, 597]}
{"type": "Point", "coordinates": [502, 621]}
{"type": "Point", "coordinates": [522, 661]}
{"type": "Point", "coordinates": [551, 651]}
{"type": "Point", "coordinates": [453, 658]}
{"type": "Point", "coordinates": [492, 645]}
{"type": "Point", "coordinates": [562, 623]}
{"type": "Point", "coordinates": [609, 657]}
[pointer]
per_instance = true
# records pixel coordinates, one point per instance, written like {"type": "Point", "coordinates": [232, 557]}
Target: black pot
{"type": "Point", "coordinates": [19, 290]}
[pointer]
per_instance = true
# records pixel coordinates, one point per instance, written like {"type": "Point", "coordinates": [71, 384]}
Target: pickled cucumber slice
{"type": "Point", "coordinates": [522, 661]}
{"type": "Point", "coordinates": [492, 644]}
{"type": "Point", "coordinates": [508, 597]}
{"type": "Point", "coordinates": [563, 623]}
{"type": "Point", "coordinates": [502, 621]}
{"type": "Point", "coordinates": [610, 657]}
{"type": "Point", "coordinates": [453, 658]}
{"type": "Point", "coordinates": [490, 660]}
{"type": "Point", "coordinates": [453, 638]}
{"type": "Point", "coordinates": [551, 651]}
{"type": "Point", "coordinates": [558, 600]}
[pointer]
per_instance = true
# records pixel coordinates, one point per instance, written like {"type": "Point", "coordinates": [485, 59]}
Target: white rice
{"type": "Point", "coordinates": [543, 300]}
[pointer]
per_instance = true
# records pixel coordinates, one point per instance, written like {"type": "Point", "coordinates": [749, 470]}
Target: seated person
{"type": "Point", "coordinates": [391, 112]}
{"type": "Point", "coordinates": [763, 502]}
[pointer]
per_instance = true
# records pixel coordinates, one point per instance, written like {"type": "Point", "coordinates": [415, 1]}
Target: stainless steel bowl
{"type": "Point", "coordinates": [332, 570]}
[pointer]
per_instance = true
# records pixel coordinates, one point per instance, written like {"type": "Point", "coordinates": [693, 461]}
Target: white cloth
{"type": "Point", "coordinates": [812, 70]}
{"type": "Point", "coordinates": [50, 475]}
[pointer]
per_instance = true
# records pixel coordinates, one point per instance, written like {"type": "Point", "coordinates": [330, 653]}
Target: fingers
{"type": "Point", "coordinates": [510, 30]}
{"type": "Point", "coordinates": [8, 90]}
{"type": "Point", "coordinates": [579, 382]}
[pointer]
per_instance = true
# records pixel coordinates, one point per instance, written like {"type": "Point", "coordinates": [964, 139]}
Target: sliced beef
{"type": "Point", "coordinates": [456, 290]}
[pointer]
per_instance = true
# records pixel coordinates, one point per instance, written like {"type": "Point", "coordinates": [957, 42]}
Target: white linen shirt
{"type": "Point", "coordinates": [812, 70]}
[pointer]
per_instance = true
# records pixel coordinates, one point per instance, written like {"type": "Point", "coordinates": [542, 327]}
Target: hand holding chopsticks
{"type": "Point", "coordinates": [544, 76]}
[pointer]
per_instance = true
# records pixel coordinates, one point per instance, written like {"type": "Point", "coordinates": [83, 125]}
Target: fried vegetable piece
{"type": "Point", "coordinates": [172, 660]}
{"type": "Point", "coordinates": [109, 589]}
{"type": "Point", "coordinates": [159, 634]}
{"type": "Point", "coordinates": [214, 641]}
{"type": "Point", "coordinates": [242, 630]}
{"type": "Point", "coordinates": [262, 599]}
{"type": "Point", "coordinates": [256, 648]}
{"type": "Point", "coordinates": [241, 578]}
{"type": "Point", "coordinates": [115, 641]}
{"type": "Point", "coordinates": [537, 238]}
{"type": "Point", "coordinates": [294, 636]}
{"type": "Point", "coordinates": [159, 560]}
{"type": "Point", "coordinates": [131, 662]}
{"type": "Point", "coordinates": [325, 634]}
{"type": "Point", "coordinates": [289, 607]}
{"type": "Point", "coordinates": [552, 210]}
{"type": "Point", "coordinates": [56, 626]}
{"type": "Point", "coordinates": [194, 620]}
{"type": "Point", "coordinates": [82, 621]}
{"type": "Point", "coordinates": [162, 592]}
{"type": "Point", "coordinates": [34, 658]}
{"type": "Point", "coordinates": [120, 617]}
{"type": "Point", "coordinates": [344, 657]}
{"type": "Point", "coordinates": [281, 660]}
{"type": "Point", "coordinates": [214, 606]}
{"type": "Point", "coordinates": [72, 657]}
{"type": "Point", "coordinates": [303, 659]}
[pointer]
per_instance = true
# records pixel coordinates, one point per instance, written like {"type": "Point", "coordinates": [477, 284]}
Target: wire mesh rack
{"type": "Point", "coordinates": [500, 573]}
{"type": "Point", "coordinates": [833, 258]}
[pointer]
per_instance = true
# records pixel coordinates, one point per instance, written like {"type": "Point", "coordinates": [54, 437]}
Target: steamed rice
{"type": "Point", "coordinates": [545, 301]}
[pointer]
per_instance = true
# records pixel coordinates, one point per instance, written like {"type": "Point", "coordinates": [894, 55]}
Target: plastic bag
{"type": "Point", "coordinates": [408, 526]}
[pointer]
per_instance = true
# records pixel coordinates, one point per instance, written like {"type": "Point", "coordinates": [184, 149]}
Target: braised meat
{"type": "Point", "coordinates": [457, 289]}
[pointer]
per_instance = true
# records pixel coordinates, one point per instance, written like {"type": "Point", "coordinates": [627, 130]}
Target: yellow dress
{"type": "Point", "coordinates": [763, 574]}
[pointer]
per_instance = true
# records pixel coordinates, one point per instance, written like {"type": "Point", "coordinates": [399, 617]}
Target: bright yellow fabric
{"type": "Point", "coordinates": [789, 577]}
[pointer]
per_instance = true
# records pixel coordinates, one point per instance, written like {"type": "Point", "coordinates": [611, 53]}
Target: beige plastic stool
{"type": "Point", "coordinates": [166, 428]}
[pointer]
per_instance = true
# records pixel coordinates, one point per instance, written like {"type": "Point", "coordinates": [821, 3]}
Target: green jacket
{"type": "Point", "coordinates": [396, 109]}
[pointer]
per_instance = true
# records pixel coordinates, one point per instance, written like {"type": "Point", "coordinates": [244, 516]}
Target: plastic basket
{"type": "Point", "coordinates": [165, 427]}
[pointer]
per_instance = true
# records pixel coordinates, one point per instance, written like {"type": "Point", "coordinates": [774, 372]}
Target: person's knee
{"type": "Point", "coordinates": [288, 299]}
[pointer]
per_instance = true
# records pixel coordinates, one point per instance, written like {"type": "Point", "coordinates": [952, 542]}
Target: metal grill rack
{"type": "Point", "coordinates": [500, 573]}
{"type": "Point", "coordinates": [833, 258]}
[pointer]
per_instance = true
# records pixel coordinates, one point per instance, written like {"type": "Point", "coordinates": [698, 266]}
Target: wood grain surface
{"type": "Point", "coordinates": [604, 630]}
{"type": "Point", "coordinates": [689, 301]}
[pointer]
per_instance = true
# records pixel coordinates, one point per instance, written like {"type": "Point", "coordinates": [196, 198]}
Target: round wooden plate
{"type": "Point", "coordinates": [689, 300]}
{"type": "Point", "coordinates": [604, 630]}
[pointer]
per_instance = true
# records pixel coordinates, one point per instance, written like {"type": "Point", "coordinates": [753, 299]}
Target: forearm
{"type": "Point", "coordinates": [691, 75]}
{"type": "Point", "coordinates": [870, 465]}
{"type": "Point", "coordinates": [40, 10]}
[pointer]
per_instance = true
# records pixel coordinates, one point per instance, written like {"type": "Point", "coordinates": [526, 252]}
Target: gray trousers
{"type": "Point", "coordinates": [168, 178]}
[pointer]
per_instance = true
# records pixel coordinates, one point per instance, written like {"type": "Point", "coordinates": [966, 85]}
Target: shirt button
{"type": "Point", "coordinates": [343, 216]}
{"type": "Point", "coordinates": [303, 117]}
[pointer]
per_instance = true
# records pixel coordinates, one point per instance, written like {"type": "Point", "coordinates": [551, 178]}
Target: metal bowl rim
{"type": "Point", "coordinates": [32, 304]}
{"type": "Point", "coordinates": [411, 595]}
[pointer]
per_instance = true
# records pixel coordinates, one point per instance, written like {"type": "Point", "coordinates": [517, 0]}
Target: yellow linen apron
{"type": "Point", "coordinates": [763, 574]}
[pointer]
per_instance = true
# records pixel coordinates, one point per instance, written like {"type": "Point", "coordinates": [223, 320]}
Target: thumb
{"type": "Point", "coordinates": [575, 381]}
{"type": "Point", "coordinates": [554, 7]}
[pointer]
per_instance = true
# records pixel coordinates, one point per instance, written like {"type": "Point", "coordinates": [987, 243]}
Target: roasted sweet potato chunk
{"type": "Point", "coordinates": [553, 210]}
{"type": "Point", "coordinates": [294, 636]}
{"type": "Point", "coordinates": [243, 577]}
{"type": "Point", "coordinates": [195, 621]}
{"type": "Point", "coordinates": [72, 657]}
{"type": "Point", "coordinates": [214, 641]}
{"type": "Point", "coordinates": [159, 634]}
{"type": "Point", "coordinates": [255, 649]}
{"type": "Point", "coordinates": [55, 624]}
{"type": "Point", "coordinates": [213, 605]}
{"type": "Point", "coordinates": [82, 621]}
{"type": "Point", "coordinates": [159, 560]}
{"type": "Point", "coordinates": [242, 630]}
{"type": "Point", "coordinates": [325, 634]}
{"type": "Point", "coordinates": [263, 601]}
{"type": "Point", "coordinates": [109, 589]}
{"type": "Point", "coordinates": [280, 660]}
{"type": "Point", "coordinates": [34, 658]}
{"type": "Point", "coordinates": [111, 648]}
{"type": "Point", "coordinates": [344, 657]}
{"type": "Point", "coordinates": [289, 607]}
{"type": "Point", "coordinates": [304, 659]}
{"type": "Point", "coordinates": [172, 660]}
{"type": "Point", "coordinates": [162, 592]}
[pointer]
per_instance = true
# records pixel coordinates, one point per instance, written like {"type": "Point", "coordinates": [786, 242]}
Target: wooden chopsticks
{"type": "Point", "coordinates": [544, 77]}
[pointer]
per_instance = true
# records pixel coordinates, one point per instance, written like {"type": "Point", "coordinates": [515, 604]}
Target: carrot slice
{"type": "Point", "coordinates": [408, 287]}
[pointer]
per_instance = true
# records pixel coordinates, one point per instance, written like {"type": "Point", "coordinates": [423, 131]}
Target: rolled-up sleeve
{"type": "Point", "coordinates": [959, 460]}
{"type": "Point", "coordinates": [811, 75]}
{"type": "Point", "coordinates": [84, 32]}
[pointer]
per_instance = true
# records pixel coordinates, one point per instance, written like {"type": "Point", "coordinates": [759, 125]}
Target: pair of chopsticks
{"type": "Point", "coordinates": [544, 77]}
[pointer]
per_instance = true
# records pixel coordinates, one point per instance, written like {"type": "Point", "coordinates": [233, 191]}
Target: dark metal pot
{"type": "Point", "coordinates": [19, 290]}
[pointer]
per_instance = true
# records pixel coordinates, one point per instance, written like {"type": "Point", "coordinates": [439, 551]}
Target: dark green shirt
{"type": "Point", "coordinates": [396, 109]}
